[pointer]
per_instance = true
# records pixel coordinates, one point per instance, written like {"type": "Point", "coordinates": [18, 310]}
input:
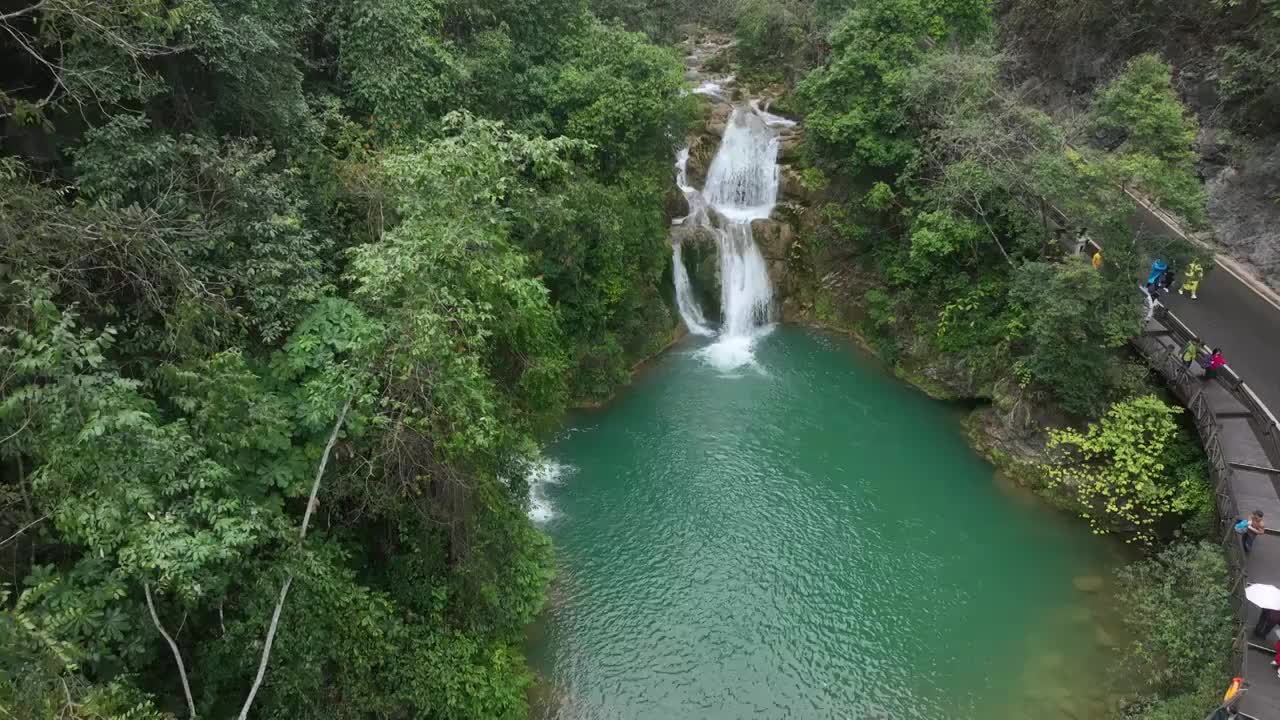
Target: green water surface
{"type": "Point", "coordinates": [809, 539]}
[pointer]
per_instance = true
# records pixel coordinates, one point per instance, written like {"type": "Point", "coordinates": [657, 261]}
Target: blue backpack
{"type": "Point", "coordinates": [1242, 527]}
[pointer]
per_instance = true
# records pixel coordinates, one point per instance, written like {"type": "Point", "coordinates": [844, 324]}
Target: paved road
{"type": "Point", "coordinates": [1231, 316]}
{"type": "Point", "coordinates": [1247, 328]}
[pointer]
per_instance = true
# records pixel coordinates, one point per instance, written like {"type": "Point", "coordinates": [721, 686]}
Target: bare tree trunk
{"type": "Point", "coordinates": [324, 460]}
{"type": "Point", "coordinates": [302, 535]}
{"type": "Point", "coordinates": [177, 655]}
{"type": "Point", "coordinates": [1044, 222]}
{"type": "Point", "coordinates": [23, 529]}
{"type": "Point", "coordinates": [266, 648]}
{"type": "Point", "coordinates": [982, 214]}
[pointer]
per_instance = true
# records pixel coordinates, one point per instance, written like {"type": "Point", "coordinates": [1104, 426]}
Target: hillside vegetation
{"type": "Point", "coordinates": [288, 292]}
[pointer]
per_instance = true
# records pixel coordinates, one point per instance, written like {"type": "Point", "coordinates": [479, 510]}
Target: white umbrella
{"type": "Point", "coordinates": [1266, 597]}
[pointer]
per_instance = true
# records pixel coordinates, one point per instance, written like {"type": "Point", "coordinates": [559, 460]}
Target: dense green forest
{"type": "Point", "coordinates": [291, 290]}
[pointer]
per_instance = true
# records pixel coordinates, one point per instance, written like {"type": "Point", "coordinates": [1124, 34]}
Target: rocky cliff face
{"type": "Point", "coordinates": [1060, 66]}
{"type": "Point", "coordinates": [1244, 204]}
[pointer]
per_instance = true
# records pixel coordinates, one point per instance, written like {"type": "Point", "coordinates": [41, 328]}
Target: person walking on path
{"type": "Point", "coordinates": [1165, 281]}
{"type": "Point", "coordinates": [1157, 269]}
{"type": "Point", "coordinates": [1097, 260]}
{"type": "Point", "coordinates": [1212, 363]}
{"type": "Point", "coordinates": [1267, 621]}
{"type": "Point", "coordinates": [1191, 279]}
{"type": "Point", "coordinates": [1249, 529]}
{"type": "Point", "coordinates": [1192, 352]}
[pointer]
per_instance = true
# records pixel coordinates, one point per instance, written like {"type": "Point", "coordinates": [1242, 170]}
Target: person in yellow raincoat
{"type": "Point", "coordinates": [1192, 351]}
{"type": "Point", "coordinates": [1191, 279]}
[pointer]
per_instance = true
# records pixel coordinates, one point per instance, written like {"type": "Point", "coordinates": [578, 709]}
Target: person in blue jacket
{"type": "Point", "coordinates": [1248, 528]}
{"type": "Point", "coordinates": [1157, 270]}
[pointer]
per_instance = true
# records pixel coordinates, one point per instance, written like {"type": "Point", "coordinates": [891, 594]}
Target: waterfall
{"type": "Point", "coordinates": [745, 292]}
{"type": "Point", "coordinates": [682, 170]}
{"type": "Point", "coordinates": [686, 302]}
{"type": "Point", "coordinates": [742, 185]}
{"type": "Point", "coordinates": [697, 216]}
{"type": "Point", "coordinates": [690, 312]}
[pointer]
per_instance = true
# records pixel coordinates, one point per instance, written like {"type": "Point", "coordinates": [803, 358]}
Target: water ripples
{"type": "Point", "coordinates": [797, 545]}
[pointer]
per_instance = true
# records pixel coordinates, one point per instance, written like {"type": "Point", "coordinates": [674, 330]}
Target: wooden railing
{"type": "Point", "coordinates": [1187, 387]}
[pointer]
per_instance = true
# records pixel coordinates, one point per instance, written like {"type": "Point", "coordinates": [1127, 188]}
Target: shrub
{"type": "Point", "coordinates": [856, 109]}
{"type": "Point", "coordinates": [1156, 154]}
{"type": "Point", "coordinates": [1068, 318]}
{"type": "Point", "coordinates": [1141, 103]}
{"type": "Point", "coordinates": [1176, 607]}
{"type": "Point", "coordinates": [1131, 469]}
{"type": "Point", "coordinates": [768, 32]}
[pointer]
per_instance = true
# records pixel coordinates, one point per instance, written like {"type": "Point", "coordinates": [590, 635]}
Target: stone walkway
{"type": "Point", "coordinates": [1244, 471]}
{"type": "Point", "coordinates": [1263, 700]}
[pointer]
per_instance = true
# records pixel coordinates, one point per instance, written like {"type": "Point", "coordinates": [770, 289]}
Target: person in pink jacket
{"type": "Point", "coordinates": [1212, 363]}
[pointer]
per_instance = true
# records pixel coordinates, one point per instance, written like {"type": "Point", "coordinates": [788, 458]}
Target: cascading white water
{"type": "Point", "coordinates": [745, 292]}
{"type": "Point", "coordinates": [686, 303]}
{"type": "Point", "coordinates": [697, 216]}
{"type": "Point", "coordinates": [682, 169]}
{"type": "Point", "coordinates": [742, 186]}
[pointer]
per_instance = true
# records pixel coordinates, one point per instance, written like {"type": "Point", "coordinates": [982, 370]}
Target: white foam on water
{"type": "Point", "coordinates": [542, 475]}
{"type": "Point", "coordinates": [710, 89]}
{"type": "Point", "coordinates": [733, 353]}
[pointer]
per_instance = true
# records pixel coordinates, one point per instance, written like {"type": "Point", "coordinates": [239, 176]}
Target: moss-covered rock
{"type": "Point", "coordinates": [1010, 434]}
{"type": "Point", "coordinates": [774, 238]}
{"type": "Point", "coordinates": [674, 204]}
{"type": "Point", "coordinates": [789, 143]}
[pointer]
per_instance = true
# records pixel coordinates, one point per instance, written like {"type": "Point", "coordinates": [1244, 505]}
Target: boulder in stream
{"type": "Point", "coordinates": [789, 146]}
{"type": "Point", "coordinates": [774, 238]}
{"type": "Point", "coordinates": [791, 186]}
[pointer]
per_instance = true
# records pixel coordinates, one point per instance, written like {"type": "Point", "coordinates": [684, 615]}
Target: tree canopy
{"type": "Point", "coordinates": [268, 267]}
